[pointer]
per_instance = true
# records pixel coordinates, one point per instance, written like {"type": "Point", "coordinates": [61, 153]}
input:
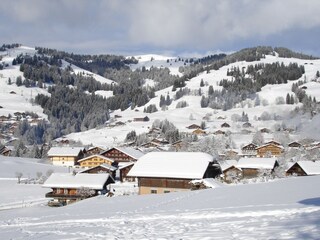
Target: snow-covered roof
{"type": "Point", "coordinates": [270, 144]}
{"type": "Point", "coordinates": [104, 165]}
{"type": "Point", "coordinates": [95, 155]}
{"type": "Point", "coordinates": [257, 163]}
{"type": "Point", "coordinates": [68, 180]}
{"type": "Point", "coordinates": [225, 164]}
{"type": "Point", "coordinates": [64, 151]}
{"type": "Point", "coordinates": [186, 165]}
{"type": "Point", "coordinates": [134, 153]}
{"type": "Point", "coordinates": [209, 182]}
{"type": "Point", "coordinates": [124, 165]}
{"type": "Point", "coordinates": [310, 167]}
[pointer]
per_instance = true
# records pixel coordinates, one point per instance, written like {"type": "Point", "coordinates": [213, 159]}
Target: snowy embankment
{"type": "Point", "coordinates": [284, 209]}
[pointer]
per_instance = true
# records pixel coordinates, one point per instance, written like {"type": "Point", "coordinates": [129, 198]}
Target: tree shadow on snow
{"type": "Point", "coordinates": [311, 201]}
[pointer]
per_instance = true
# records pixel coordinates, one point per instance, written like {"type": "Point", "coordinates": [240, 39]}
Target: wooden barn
{"type": "Point", "coordinates": [164, 172]}
{"type": "Point", "coordinates": [68, 188]}
{"type": "Point", "coordinates": [304, 168]}
{"type": "Point", "coordinates": [251, 166]}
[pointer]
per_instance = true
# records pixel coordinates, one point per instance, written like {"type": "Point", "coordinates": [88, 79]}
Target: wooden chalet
{"type": "Point", "coordinates": [304, 168]}
{"type": "Point", "coordinates": [6, 150]}
{"type": "Point", "coordinates": [229, 170]}
{"type": "Point", "coordinates": [103, 168]}
{"type": "Point", "coordinates": [251, 166]}
{"type": "Point", "coordinates": [164, 172]}
{"type": "Point", "coordinates": [295, 145]}
{"type": "Point", "coordinates": [246, 125]}
{"type": "Point", "coordinates": [194, 126]}
{"type": "Point", "coordinates": [219, 132]}
{"type": "Point", "coordinates": [122, 172]}
{"type": "Point", "coordinates": [179, 144]}
{"type": "Point", "coordinates": [249, 150]}
{"type": "Point", "coordinates": [199, 132]}
{"type": "Point", "coordinates": [65, 156]}
{"type": "Point", "coordinates": [273, 142]}
{"type": "Point", "coordinates": [156, 142]}
{"type": "Point", "coordinates": [94, 160]}
{"type": "Point", "coordinates": [94, 150]}
{"type": "Point", "coordinates": [122, 154]}
{"type": "Point", "coordinates": [225, 125]}
{"type": "Point", "coordinates": [265, 130]}
{"type": "Point", "coordinates": [269, 149]}
{"type": "Point", "coordinates": [68, 188]}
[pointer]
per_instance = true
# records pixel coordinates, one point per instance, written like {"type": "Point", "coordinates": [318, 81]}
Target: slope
{"type": "Point", "coordinates": [284, 209]}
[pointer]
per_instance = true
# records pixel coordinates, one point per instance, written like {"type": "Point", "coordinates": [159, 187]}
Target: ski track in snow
{"type": "Point", "coordinates": [244, 223]}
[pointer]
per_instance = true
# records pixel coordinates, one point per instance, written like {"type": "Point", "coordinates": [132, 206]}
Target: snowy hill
{"type": "Point", "coordinates": [160, 61]}
{"type": "Point", "coordinates": [284, 209]}
{"type": "Point", "coordinates": [13, 98]}
{"type": "Point", "coordinates": [180, 117]}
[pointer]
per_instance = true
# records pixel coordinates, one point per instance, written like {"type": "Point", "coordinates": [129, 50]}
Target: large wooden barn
{"type": "Point", "coordinates": [164, 172]}
{"type": "Point", "coordinates": [269, 149]}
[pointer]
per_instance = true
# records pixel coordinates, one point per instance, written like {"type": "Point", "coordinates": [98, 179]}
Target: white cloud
{"type": "Point", "coordinates": [166, 24]}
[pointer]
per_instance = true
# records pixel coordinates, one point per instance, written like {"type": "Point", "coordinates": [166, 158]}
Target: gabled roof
{"type": "Point", "coordinates": [185, 165]}
{"type": "Point", "coordinates": [95, 155]}
{"type": "Point", "coordinates": [309, 167]}
{"type": "Point", "coordinates": [124, 165]}
{"type": "Point", "coordinates": [64, 151]}
{"type": "Point", "coordinates": [270, 144]}
{"type": "Point", "coordinates": [127, 150]}
{"type": "Point", "coordinates": [257, 163]}
{"type": "Point", "coordinates": [104, 165]}
{"type": "Point", "coordinates": [68, 180]}
{"type": "Point", "coordinates": [225, 164]}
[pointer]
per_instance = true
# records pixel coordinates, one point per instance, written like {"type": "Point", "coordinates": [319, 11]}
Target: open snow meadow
{"type": "Point", "coordinates": [282, 209]}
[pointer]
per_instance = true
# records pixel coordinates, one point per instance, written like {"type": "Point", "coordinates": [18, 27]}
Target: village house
{"type": "Point", "coordinates": [270, 150]}
{"type": "Point", "coordinates": [304, 168]}
{"type": "Point", "coordinates": [193, 126]}
{"type": "Point", "coordinates": [219, 132]}
{"type": "Point", "coordinates": [68, 188]}
{"type": "Point", "coordinates": [246, 125]}
{"type": "Point", "coordinates": [103, 168]}
{"type": "Point", "coordinates": [122, 172]}
{"type": "Point", "coordinates": [294, 145]}
{"type": "Point", "coordinates": [65, 156]}
{"type": "Point", "coordinates": [6, 150]}
{"type": "Point", "coordinates": [199, 132]}
{"type": "Point", "coordinates": [225, 125]}
{"type": "Point", "coordinates": [265, 130]}
{"type": "Point", "coordinates": [94, 150]}
{"type": "Point", "coordinates": [230, 171]}
{"type": "Point", "coordinates": [164, 172]}
{"type": "Point", "coordinates": [249, 150]}
{"type": "Point", "coordinates": [94, 160]}
{"type": "Point", "coordinates": [122, 154]}
{"type": "Point", "coordinates": [252, 167]}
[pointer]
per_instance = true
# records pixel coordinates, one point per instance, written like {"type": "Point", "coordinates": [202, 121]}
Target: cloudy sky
{"type": "Point", "coordinates": [161, 26]}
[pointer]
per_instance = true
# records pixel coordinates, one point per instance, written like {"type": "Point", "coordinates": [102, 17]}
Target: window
{"type": "Point", "coordinates": [166, 191]}
{"type": "Point", "coordinates": [153, 191]}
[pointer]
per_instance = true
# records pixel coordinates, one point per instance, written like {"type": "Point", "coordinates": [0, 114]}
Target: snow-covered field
{"type": "Point", "coordinates": [284, 209]}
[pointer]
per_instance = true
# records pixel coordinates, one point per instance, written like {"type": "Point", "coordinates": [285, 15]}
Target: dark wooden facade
{"type": "Point", "coordinates": [94, 150]}
{"type": "Point", "coordinates": [102, 169]}
{"type": "Point", "coordinates": [117, 155]}
{"type": "Point", "coordinates": [294, 145]}
{"type": "Point", "coordinates": [123, 172]}
{"type": "Point", "coordinates": [165, 183]}
{"type": "Point", "coordinates": [296, 170]}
